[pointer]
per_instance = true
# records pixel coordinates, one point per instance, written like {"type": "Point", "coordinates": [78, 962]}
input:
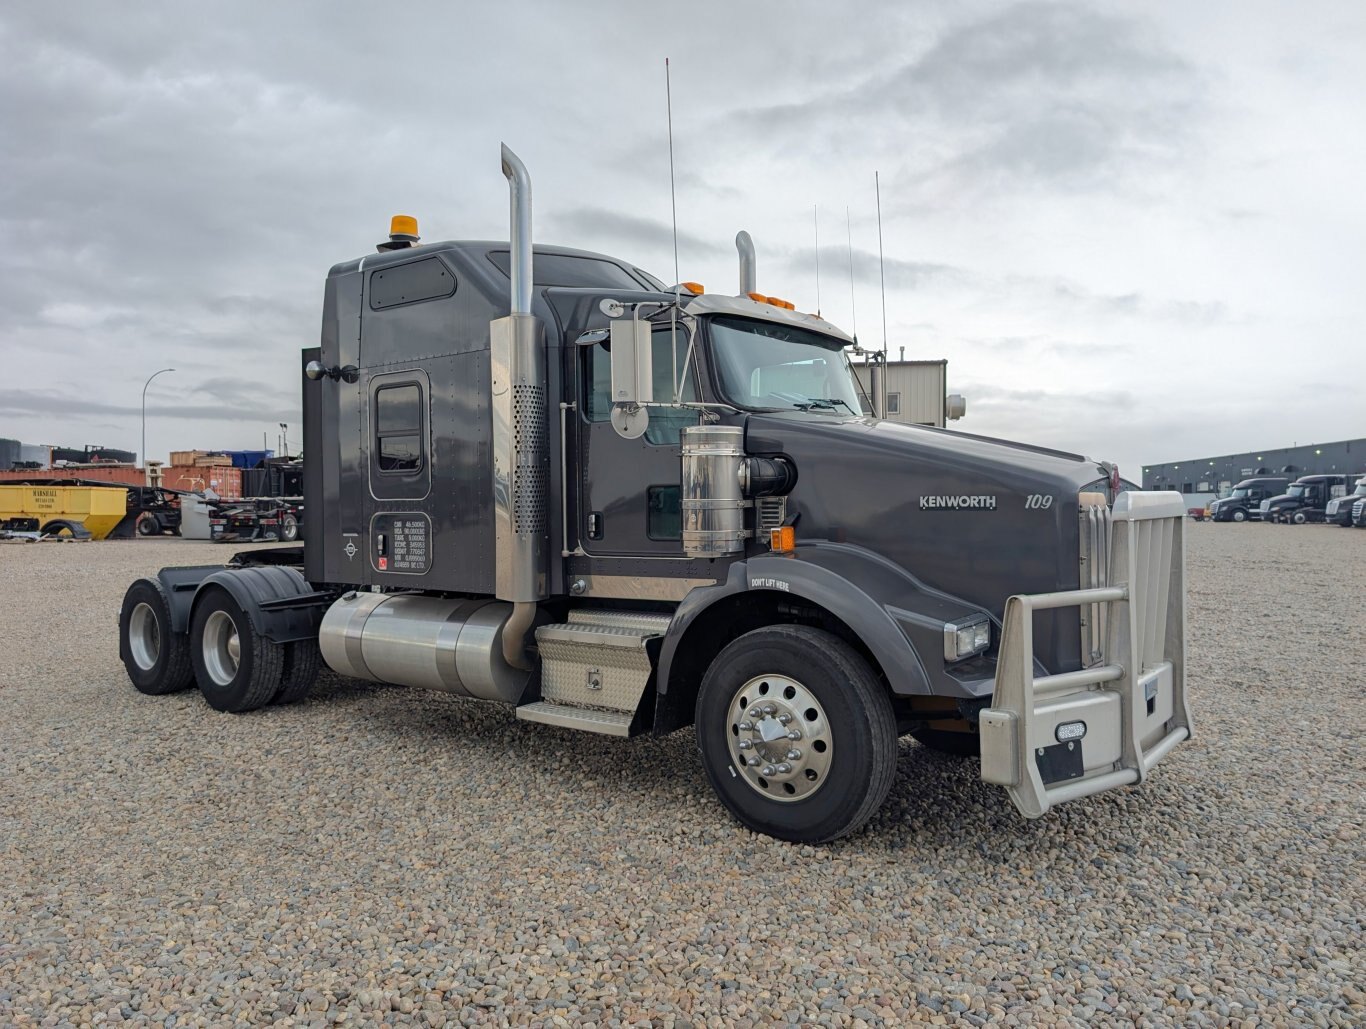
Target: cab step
{"type": "Point", "coordinates": [654, 625]}
{"type": "Point", "coordinates": [594, 669]}
{"type": "Point", "coordinates": [607, 723]}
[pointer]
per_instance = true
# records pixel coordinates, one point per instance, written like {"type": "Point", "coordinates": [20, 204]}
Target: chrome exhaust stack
{"type": "Point", "coordinates": [520, 457]}
{"type": "Point", "coordinates": [748, 269]}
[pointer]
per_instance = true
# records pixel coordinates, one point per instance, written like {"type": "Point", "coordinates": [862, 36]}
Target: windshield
{"type": "Point", "coordinates": [767, 365]}
{"type": "Point", "coordinates": [1297, 491]}
{"type": "Point", "coordinates": [1242, 494]}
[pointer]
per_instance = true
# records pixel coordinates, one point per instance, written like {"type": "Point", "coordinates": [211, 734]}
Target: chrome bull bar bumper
{"type": "Point", "coordinates": [1053, 738]}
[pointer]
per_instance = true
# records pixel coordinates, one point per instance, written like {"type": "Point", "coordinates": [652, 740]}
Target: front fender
{"type": "Point", "coordinates": [897, 618]}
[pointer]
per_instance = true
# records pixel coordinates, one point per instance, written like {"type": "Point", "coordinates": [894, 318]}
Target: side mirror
{"type": "Point", "coordinates": [632, 362]}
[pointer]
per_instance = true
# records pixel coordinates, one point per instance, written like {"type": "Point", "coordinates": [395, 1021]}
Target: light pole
{"type": "Point", "coordinates": [284, 439]}
{"type": "Point", "coordinates": [144, 413]}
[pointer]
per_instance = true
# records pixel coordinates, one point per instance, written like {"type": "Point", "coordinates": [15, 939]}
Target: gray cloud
{"type": "Point", "coordinates": [242, 401]}
{"type": "Point", "coordinates": [630, 231]}
{"type": "Point", "coordinates": [1051, 92]}
{"type": "Point", "coordinates": [1054, 175]}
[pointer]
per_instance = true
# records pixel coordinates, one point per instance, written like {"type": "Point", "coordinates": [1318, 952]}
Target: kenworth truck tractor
{"type": "Point", "coordinates": [541, 478]}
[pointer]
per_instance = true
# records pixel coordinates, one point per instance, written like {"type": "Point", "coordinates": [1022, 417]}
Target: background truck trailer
{"type": "Point", "coordinates": [554, 483]}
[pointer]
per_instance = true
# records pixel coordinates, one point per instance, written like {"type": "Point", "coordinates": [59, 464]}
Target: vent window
{"type": "Point", "coordinates": [410, 283]}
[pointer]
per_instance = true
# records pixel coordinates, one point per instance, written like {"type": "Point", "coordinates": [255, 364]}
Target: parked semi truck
{"type": "Point", "coordinates": [1339, 509]}
{"type": "Point", "coordinates": [1304, 500]}
{"type": "Point", "coordinates": [543, 479]}
{"type": "Point", "coordinates": [1245, 502]}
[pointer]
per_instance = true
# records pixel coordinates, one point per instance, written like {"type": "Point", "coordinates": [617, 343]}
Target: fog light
{"type": "Point", "coordinates": [964, 639]}
{"type": "Point", "coordinates": [1069, 731]}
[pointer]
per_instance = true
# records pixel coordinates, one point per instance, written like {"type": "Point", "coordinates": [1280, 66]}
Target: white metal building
{"type": "Point", "coordinates": [917, 391]}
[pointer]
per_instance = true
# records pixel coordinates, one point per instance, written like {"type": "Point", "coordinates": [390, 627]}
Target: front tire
{"type": "Point", "coordinates": [827, 780]}
{"type": "Point", "coordinates": [157, 659]}
{"type": "Point", "coordinates": [147, 524]}
{"type": "Point", "coordinates": [1240, 516]}
{"type": "Point", "coordinates": [1299, 518]}
{"type": "Point", "coordinates": [289, 528]}
{"type": "Point", "coordinates": [236, 667]}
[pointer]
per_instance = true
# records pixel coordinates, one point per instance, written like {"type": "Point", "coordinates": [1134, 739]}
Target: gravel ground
{"type": "Point", "coordinates": [383, 855]}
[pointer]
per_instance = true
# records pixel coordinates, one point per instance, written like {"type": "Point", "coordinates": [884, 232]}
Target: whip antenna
{"type": "Point", "coordinates": [849, 242]}
{"type": "Point", "coordinates": [673, 210]}
{"type": "Point", "coordinates": [816, 224]}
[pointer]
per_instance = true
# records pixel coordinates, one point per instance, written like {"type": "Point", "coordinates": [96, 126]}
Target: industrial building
{"type": "Point", "coordinates": [917, 391]}
{"type": "Point", "coordinates": [1201, 478]}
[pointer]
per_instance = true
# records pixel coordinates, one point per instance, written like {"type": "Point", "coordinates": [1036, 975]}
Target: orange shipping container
{"type": "Point", "coordinates": [198, 479]}
{"type": "Point", "coordinates": [121, 475]}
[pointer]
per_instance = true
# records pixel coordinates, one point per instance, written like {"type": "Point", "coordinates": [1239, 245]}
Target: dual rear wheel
{"type": "Point", "coordinates": [237, 669]}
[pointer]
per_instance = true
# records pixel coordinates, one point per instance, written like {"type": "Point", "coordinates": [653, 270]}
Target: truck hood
{"type": "Point", "coordinates": [975, 517]}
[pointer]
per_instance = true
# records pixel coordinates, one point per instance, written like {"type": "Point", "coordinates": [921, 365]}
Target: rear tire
{"type": "Point", "coordinates": [157, 659]}
{"type": "Point", "coordinates": [846, 733]}
{"type": "Point", "coordinates": [148, 525]}
{"type": "Point", "coordinates": [303, 659]}
{"type": "Point", "coordinates": [289, 528]}
{"type": "Point", "coordinates": [236, 667]}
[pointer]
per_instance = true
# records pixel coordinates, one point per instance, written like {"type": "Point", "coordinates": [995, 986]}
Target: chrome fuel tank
{"type": "Point", "coordinates": [430, 642]}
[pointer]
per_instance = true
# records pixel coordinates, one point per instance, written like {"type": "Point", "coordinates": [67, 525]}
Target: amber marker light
{"type": "Point", "coordinates": [696, 288]}
{"type": "Point", "coordinates": [782, 540]}
{"type": "Point", "coordinates": [403, 225]}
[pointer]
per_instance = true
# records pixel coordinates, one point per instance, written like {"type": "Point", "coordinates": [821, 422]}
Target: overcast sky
{"type": "Point", "coordinates": [1137, 231]}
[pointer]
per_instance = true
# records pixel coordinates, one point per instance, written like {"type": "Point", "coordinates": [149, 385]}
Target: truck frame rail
{"type": "Point", "coordinates": [1054, 738]}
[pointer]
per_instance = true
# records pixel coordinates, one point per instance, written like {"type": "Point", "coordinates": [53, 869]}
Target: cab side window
{"type": "Point", "coordinates": [665, 423]}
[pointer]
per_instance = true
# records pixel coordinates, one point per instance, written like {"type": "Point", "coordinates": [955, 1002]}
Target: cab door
{"type": "Point", "coordinates": [629, 488]}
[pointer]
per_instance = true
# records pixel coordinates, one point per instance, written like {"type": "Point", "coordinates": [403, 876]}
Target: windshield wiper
{"type": "Point", "coordinates": [829, 402]}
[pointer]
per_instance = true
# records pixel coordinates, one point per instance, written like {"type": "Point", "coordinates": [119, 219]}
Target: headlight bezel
{"type": "Point", "coordinates": [973, 632]}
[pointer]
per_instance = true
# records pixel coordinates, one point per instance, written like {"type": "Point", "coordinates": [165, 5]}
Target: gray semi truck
{"type": "Point", "coordinates": [544, 479]}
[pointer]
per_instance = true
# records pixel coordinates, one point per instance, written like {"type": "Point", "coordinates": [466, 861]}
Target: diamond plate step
{"type": "Point", "coordinates": [584, 664]}
{"type": "Point", "coordinates": [656, 625]}
{"type": "Point", "coordinates": [608, 723]}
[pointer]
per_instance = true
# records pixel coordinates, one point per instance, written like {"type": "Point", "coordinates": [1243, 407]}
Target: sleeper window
{"type": "Point", "coordinates": [398, 428]}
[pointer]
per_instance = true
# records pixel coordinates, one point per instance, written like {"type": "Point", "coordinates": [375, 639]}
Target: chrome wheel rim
{"type": "Point", "coordinates": [144, 637]}
{"type": "Point", "coordinates": [222, 648]}
{"type": "Point", "coordinates": [779, 738]}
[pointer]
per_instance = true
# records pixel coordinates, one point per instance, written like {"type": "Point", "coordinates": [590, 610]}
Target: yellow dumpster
{"type": "Point", "coordinates": [41, 508]}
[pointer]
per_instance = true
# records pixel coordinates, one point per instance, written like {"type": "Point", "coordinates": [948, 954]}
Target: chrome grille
{"type": "Point", "coordinates": [770, 512]}
{"type": "Point", "coordinates": [1094, 537]}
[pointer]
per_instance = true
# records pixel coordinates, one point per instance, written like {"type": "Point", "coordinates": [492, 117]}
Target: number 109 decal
{"type": "Point", "coordinates": [1039, 501]}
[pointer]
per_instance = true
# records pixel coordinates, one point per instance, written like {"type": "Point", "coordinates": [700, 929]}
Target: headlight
{"type": "Point", "coordinates": [963, 639]}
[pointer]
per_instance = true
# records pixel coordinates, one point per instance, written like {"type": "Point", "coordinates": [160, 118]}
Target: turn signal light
{"type": "Point", "coordinates": [783, 539]}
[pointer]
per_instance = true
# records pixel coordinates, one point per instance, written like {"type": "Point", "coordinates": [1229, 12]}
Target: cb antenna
{"type": "Point", "coordinates": [849, 242]}
{"type": "Point", "coordinates": [816, 223]}
{"type": "Point", "coordinates": [881, 267]}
